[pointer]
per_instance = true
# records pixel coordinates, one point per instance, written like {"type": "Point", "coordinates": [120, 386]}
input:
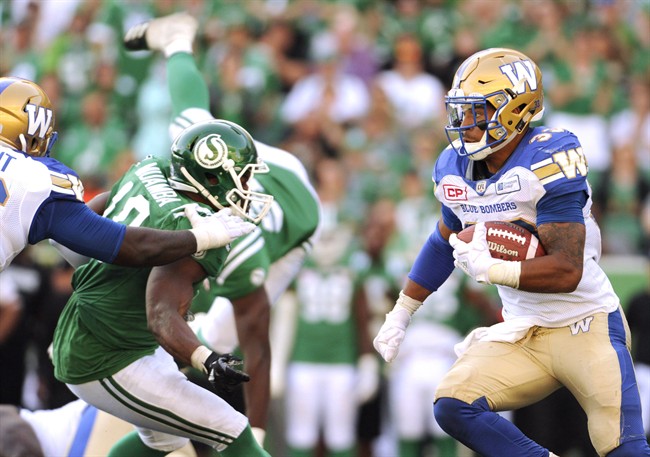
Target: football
{"type": "Point", "coordinates": [507, 241]}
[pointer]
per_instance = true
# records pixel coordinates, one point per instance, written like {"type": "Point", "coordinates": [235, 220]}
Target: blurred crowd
{"type": "Point", "coordinates": [358, 81]}
{"type": "Point", "coordinates": [355, 89]}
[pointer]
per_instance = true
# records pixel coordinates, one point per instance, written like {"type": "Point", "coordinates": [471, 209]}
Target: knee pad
{"type": "Point", "coordinates": [454, 415]}
{"type": "Point", "coordinates": [449, 414]}
{"type": "Point", "coordinates": [161, 441]}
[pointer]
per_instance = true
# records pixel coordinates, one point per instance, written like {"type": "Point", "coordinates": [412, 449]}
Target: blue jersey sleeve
{"type": "Point", "coordinates": [451, 220]}
{"type": "Point", "coordinates": [434, 263]}
{"type": "Point", "coordinates": [557, 158]}
{"type": "Point", "coordinates": [562, 208]}
{"type": "Point", "coordinates": [74, 225]}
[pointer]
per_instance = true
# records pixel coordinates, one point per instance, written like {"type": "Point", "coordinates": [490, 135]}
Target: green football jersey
{"type": "Point", "coordinates": [292, 221]}
{"type": "Point", "coordinates": [326, 331]}
{"type": "Point", "coordinates": [103, 327]}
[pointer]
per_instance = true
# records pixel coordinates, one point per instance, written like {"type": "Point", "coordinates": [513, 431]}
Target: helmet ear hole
{"type": "Point", "coordinates": [212, 179]}
{"type": "Point", "coordinates": [33, 144]}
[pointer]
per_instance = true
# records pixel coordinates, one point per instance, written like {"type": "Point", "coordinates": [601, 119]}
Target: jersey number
{"type": "Point", "coordinates": [325, 299]}
{"type": "Point", "coordinates": [137, 205]}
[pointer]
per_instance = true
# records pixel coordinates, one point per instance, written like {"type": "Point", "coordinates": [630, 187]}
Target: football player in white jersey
{"type": "Point", "coordinates": [563, 324]}
{"type": "Point", "coordinates": [41, 198]}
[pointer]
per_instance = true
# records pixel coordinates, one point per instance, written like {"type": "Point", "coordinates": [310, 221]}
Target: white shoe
{"type": "Point", "coordinates": [158, 34]}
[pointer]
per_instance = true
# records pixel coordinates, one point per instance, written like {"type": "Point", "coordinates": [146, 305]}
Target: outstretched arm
{"type": "Point", "coordinates": [78, 227]}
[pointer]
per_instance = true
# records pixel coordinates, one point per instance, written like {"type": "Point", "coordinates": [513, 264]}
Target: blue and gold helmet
{"type": "Point", "coordinates": [503, 79]}
{"type": "Point", "coordinates": [216, 159]}
{"type": "Point", "coordinates": [26, 117]}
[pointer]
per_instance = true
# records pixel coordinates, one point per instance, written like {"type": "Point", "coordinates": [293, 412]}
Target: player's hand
{"type": "Point", "coordinates": [392, 332]}
{"type": "Point", "coordinates": [224, 371]}
{"type": "Point", "coordinates": [217, 229]}
{"type": "Point", "coordinates": [474, 257]}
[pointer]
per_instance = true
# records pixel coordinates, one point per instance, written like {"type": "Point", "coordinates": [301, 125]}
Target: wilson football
{"type": "Point", "coordinates": [507, 241]}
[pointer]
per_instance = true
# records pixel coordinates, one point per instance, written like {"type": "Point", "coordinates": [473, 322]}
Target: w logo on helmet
{"type": "Point", "coordinates": [211, 151]}
{"type": "Point", "coordinates": [38, 118]}
{"type": "Point", "coordinates": [520, 73]}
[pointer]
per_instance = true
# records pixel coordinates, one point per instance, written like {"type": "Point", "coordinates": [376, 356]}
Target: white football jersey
{"type": "Point", "coordinates": [26, 183]}
{"type": "Point", "coordinates": [547, 162]}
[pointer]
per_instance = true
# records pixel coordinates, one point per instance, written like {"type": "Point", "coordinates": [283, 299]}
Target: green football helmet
{"type": "Point", "coordinates": [216, 159]}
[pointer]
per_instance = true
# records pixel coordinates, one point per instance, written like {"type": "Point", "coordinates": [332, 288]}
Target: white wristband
{"type": "Point", "coordinates": [202, 239]}
{"type": "Point", "coordinates": [199, 356]}
{"type": "Point", "coordinates": [409, 304]}
{"type": "Point", "coordinates": [505, 273]}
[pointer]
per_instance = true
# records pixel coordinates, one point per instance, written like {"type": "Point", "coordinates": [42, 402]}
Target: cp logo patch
{"type": "Point", "coordinates": [454, 193]}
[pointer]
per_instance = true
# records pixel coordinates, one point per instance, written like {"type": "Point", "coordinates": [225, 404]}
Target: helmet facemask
{"type": "Point", "coordinates": [243, 202]}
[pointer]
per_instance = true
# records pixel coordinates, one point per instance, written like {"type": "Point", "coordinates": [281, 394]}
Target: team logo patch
{"type": "Point", "coordinates": [211, 151]}
{"type": "Point", "coordinates": [481, 186]}
{"type": "Point", "coordinates": [455, 193]}
{"type": "Point", "coordinates": [508, 186]}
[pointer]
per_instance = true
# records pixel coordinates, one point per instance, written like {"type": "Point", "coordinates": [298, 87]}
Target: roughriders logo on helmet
{"type": "Point", "coordinates": [211, 151]}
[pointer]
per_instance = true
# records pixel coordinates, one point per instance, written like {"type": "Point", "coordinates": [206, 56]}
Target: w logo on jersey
{"type": "Point", "coordinates": [581, 326]}
{"type": "Point", "coordinates": [520, 73]}
{"type": "Point", "coordinates": [39, 119]}
{"type": "Point", "coordinates": [572, 162]}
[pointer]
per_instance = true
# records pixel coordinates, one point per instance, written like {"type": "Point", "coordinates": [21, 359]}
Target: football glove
{"type": "Point", "coordinates": [474, 257]}
{"type": "Point", "coordinates": [392, 332]}
{"type": "Point", "coordinates": [217, 229]}
{"type": "Point", "coordinates": [224, 371]}
{"type": "Point", "coordinates": [475, 260]}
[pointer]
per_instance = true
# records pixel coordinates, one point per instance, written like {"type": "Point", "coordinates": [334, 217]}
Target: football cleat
{"type": "Point", "coordinates": [157, 34]}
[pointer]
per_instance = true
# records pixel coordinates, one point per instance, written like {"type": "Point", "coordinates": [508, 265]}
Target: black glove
{"type": "Point", "coordinates": [224, 373]}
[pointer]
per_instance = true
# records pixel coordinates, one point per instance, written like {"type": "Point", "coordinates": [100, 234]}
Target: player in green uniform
{"type": "Point", "coordinates": [261, 265]}
{"type": "Point", "coordinates": [117, 337]}
{"type": "Point", "coordinates": [331, 346]}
